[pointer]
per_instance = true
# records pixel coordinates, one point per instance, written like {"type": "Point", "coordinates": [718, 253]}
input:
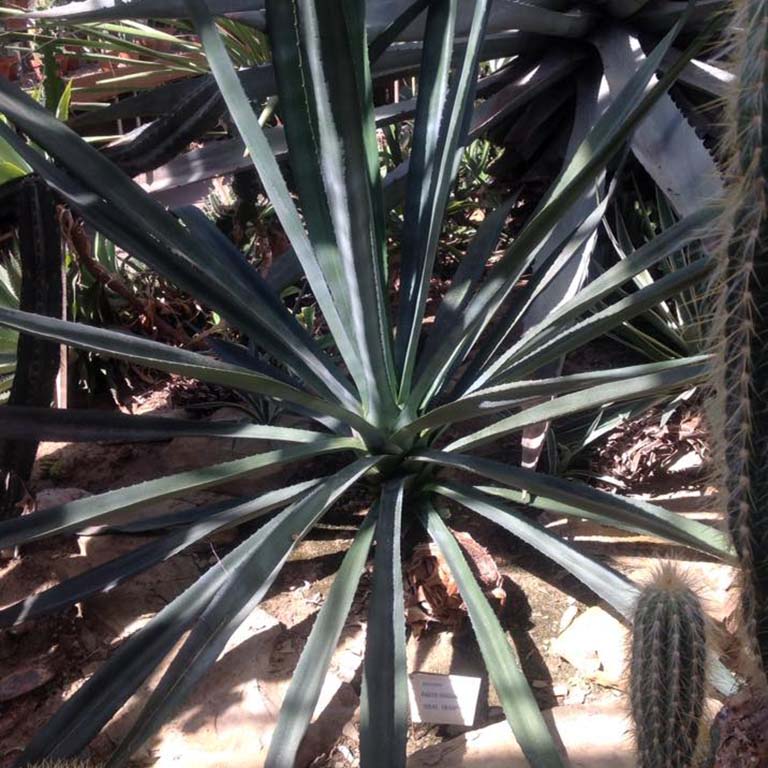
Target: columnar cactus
{"type": "Point", "coordinates": [740, 328]}
{"type": "Point", "coordinates": [667, 672]}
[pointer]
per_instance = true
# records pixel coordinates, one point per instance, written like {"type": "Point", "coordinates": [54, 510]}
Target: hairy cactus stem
{"type": "Point", "coordinates": [668, 672]}
{"type": "Point", "coordinates": [740, 327]}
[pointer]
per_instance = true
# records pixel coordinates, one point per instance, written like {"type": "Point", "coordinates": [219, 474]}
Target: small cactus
{"type": "Point", "coordinates": [740, 327]}
{"type": "Point", "coordinates": [667, 672]}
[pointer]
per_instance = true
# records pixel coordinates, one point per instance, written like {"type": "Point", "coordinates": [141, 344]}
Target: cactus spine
{"type": "Point", "coordinates": [740, 327]}
{"type": "Point", "coordinates": [667, 672]}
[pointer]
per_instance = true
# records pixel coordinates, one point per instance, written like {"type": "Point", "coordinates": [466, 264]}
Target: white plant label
{"type": "Point", "coordinates": [444, 699]}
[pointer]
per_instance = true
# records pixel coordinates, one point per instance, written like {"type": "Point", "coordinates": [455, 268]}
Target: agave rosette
{"type": "Point", "coordinates": [406, 408]}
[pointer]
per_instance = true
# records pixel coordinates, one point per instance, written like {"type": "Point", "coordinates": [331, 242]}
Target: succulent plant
{"type": "Point", "coordinates": [668, 672]}
{"type": "Point", "coordinates": [401, 410]}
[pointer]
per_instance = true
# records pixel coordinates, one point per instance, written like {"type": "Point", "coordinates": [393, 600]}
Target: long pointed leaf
{"type": "Point", "coordinates": [267, 168]}
{"type": "Point", "coordinates": [612, 587]}
{"type": "Point", "coordinates": [517, 700]}
{"type": "Point", "coordinates": [603, 141]}
{"type": "Point", "coordinates": [428, 128]}
{"type": "Point", "coordinates": [304, 691]}
{"type": "Point", "coordinates": [661, 522]}
{"type": "Point", "coordinates": [74, 426]}
{"type": "Point", "coordinates": [160, 237]}
{"type": "Point", "coordinates": [608, 319]}
{"type": "Point", "coordinates": [436, 159]}
{"type": "Point", "coordinates": [335, 59]}
{"type": "Point", "coordinates": [170, 359]}
{"type": "Point", "coordinates": [93, 705]}
{"type": "Point", "coordinates": [107, 576]}
{"type": "Point", "coordinates": [606, 583]}
{"type": "Point", "coordinates": [587, 399]}
{"type": "Point", "coordinates": [384, 699]}
{"type": "Point", "coordinates": [504, 396]}
{"type": "Point", "coordinates": [75, 515]}
{"type": "Point", "coordinates": [611, 280]}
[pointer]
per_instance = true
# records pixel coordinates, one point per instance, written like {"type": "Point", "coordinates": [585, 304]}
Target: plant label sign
{"type": "Point", "coordinates": [444, 699]}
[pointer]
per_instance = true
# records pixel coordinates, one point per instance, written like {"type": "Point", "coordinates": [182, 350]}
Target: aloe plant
{"type": "Point", "coordinates": [391, 399]}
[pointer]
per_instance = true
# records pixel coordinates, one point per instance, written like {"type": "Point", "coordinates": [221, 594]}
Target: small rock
{"type": "Point", "coordinates": [52, 497]}
{"type": "Point", "coordinates": [560, 690]}
{"type": "Point", "coordinates": [30, 677]}
{"type": "Point", "coordinates": [540, 684]}
{"type": "Point", "coordinates": [688, 461]}
{"type": "Point", "coordinates": [595, 643]}
{"type": "Point", "coordinates": [229, 413]}
{"type": "Point", "coordinates": [186, 453]}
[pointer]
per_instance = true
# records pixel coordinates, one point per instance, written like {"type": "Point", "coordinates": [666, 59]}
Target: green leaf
{"type": "Point", "coordinates": [551, 256]}
{"type": "Point", "coordinates": [615, 589]}
{"type": "Point", "coordinates": [12, 166]}
{"type": "Point", "coordinates": [170, 359]}
{"type": "Point", "coordinates": [10, 171]}
{"type": "Point", "coordinates": [281, 330]}
{"type": "Point", "coordinates": [524, 500]}
{"type": "Point", "coordinates": [664, 380]}
{"type": "Point", "coordinates": [116, 206]}
{"type": "Point", "coordinates": [60, 425]}
{"type": "Point", "coordinates": [429, 133]}
{"type": "Point", "coordinates": [62, 108]}
{"type": "Point", "coordinates": [191, 515]}
{"type": "Point", "coordinates": [296, 106]}
{"type": "Point", "coordinates": [612, 587]}
{"type": "Point", "coordinates": [517, 699]}
{"type": "Point", "coordinates": [433, 165]}
{"type": "Point", "coordinates": [244, 588]}
{"type": "Point", "coordinates": [485, 402]}
{"type": "Point", "coordinates": [107, 576]}
{"type": "Point", "coordinates": [384, 696]}
{"type": "Point", "coordinates": [307, 681]}
{"type": "Point", "coordinates": [75, 515]}
{"type": "Point", "coordinates": [269, 173]}
{"type": "Point", "coordinates": [606, 320]}
{"type": "Point", "coordinates": [656, 520]}
{"type": "Point", "coordinates": [93, 705]}
{"type": "Point", "coordinates": [335, 60]}
{"type": "Point", "coordinates": [662, 246]}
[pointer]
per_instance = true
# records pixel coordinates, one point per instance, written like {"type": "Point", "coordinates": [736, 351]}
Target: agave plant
{"type": "Point", "coordinates": [404, 408]}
